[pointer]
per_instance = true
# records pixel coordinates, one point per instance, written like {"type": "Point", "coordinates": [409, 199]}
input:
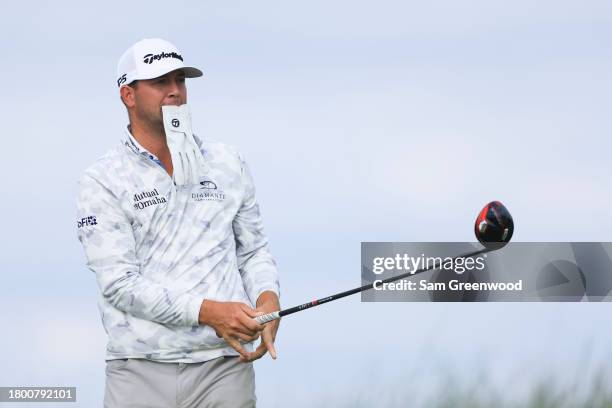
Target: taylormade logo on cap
{"type": "Point", "coordinates": [151, 58]}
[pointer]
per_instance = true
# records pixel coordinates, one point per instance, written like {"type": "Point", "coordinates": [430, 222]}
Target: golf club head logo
{"type": "Point", "coordinates": [209, 185]}
{"type": "Point", "coordinates": [176, 123]}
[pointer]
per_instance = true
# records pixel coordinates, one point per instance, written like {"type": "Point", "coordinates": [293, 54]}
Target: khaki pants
{"type": "Point", "coordinates": [220, 383]}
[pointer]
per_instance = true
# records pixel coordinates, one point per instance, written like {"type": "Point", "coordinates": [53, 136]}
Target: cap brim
{"type": "Point", "coordinates": [191, 72]}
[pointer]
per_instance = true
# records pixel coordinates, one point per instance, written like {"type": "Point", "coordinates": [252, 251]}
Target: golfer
{"type": "Point", "coordinates": [171, 228]}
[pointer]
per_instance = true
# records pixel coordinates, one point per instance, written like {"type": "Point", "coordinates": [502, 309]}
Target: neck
{"type": "Point", "coordinates": [151, 138]}
{"type": "Point", "coordinates": [154, 140]}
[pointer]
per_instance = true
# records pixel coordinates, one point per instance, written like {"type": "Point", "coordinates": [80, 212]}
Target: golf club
{"type": "Point", "coordinates": [493, 228]}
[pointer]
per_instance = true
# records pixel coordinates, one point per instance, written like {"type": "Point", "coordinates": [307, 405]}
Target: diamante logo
{"type": "Point", "coordinates": [149, 58]}
{"type": "Point", "coordinates": [207, 184]}
{"type": "Point", "coordinates": [210, 192]}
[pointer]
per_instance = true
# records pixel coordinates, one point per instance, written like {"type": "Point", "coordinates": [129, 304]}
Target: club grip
{"type": "Point", "coordinates": [263, 319]}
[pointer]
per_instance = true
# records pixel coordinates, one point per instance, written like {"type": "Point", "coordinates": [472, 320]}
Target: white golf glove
{"type": "Point", "coordinates": [187, 160]}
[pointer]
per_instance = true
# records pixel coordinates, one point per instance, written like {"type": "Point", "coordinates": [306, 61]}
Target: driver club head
{"type": "Point", "coordinates": [494, 226]}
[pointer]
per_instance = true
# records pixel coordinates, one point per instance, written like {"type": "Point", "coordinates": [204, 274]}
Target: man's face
{"type": "Point", "coordinates": [151, 94]}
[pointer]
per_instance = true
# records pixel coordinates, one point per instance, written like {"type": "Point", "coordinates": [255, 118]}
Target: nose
{"type": "Point", "coordinates": [174, 90]}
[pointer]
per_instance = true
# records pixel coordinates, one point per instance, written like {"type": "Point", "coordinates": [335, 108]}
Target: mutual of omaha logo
{"type": "Point", "coordinates": [87, 221]}
{"type": "Point", "coordinates": [208, 191]}
{"type": "Point", "coordinates": [147, 199]}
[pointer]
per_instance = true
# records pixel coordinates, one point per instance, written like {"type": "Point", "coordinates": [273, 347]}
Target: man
{"type": "Point", "coordinates": [171, 228]}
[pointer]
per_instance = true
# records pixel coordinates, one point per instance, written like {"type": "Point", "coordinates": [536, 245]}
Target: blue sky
{"type": "Point", "coordinates": [361, 121]}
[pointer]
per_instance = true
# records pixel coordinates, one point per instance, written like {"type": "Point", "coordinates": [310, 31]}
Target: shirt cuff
{"type": "Point", "coordinates": [193, 311]}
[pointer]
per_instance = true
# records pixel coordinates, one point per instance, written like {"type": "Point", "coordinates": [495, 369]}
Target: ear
{"type": "Point", "coordinates": [127, 96]}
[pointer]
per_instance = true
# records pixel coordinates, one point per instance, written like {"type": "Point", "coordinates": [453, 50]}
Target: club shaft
{"type": "Point", "coordinates": [277, 315]}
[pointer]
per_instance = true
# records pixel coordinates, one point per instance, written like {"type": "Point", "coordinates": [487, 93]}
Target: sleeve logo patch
{"type": "Point", "coordinates": [87, 221]}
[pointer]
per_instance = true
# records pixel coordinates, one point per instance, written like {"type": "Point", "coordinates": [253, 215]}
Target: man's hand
{"type": "Point", "coordinates": [266, 303]}
{"type": "Point", "coordinates": [233, 321]}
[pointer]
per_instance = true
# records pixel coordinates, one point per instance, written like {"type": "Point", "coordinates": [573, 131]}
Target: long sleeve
{"type": "Point", "coordinates": [107, 237]}
{"type": "Point", "coordinates": [256, 265]}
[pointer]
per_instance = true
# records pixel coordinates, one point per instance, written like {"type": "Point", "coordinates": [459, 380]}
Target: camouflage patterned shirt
{"type": "Point", "coordinates": [159, 250]}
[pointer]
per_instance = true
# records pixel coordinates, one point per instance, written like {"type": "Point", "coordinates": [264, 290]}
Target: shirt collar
{"type": "Point", "coordinates": [133, 145]}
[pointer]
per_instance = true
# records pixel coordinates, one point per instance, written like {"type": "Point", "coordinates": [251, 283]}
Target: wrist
{"type": "Point", "coordinates": [205, 312]}
{"type": "Point", "coordinates": [268, 298]}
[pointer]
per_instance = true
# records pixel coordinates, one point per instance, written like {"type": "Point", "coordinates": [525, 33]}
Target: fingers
{"type": "Point", "coordinates": [239, 331]}
{"type": "Point", "coordinates": [266, 345]}
{"type": "Point", "coordinates": [247, 338]}
{"type": "Point", "coordinates": [251, 312]}
{"type": "Point", "coordinates": [256, 355]}
{"type": "Point", "coordinates": [268, 342]}
{"type": "Point", "coordinates": [234, 322]}
{"type": "Point", "coordinates": [233, 341]}
{"type": "Point", "coordinates": [238, 320]}
{"type": "Point", "coordinates": [248, 321]}
{"type": "Point", "coordinates": [237, 346]}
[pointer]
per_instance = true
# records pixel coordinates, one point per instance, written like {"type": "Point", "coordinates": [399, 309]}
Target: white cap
{"type": "Point", "coordinates": [151, 58]}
